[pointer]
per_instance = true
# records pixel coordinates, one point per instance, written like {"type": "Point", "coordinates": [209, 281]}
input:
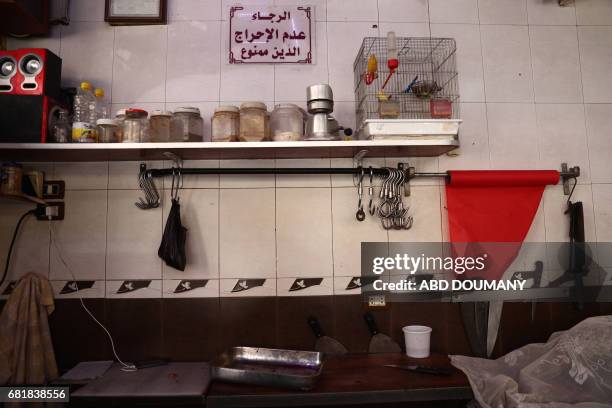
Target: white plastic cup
{"type": "Point", "coordinates": [417, 340]}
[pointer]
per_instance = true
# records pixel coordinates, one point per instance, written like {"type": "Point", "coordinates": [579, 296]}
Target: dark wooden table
{"type": "Point", "coordinates": [353, 379]}
{"type": "Point", "coordinates": [171, 385]}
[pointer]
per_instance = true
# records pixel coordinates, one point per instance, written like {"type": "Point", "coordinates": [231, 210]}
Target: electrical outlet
{"type": "Point", "coordinates": [377, 301]}
{"type": "Point", "coordinates": [54, 190]}
{"type": "Point", "coordinates": [53, 211]}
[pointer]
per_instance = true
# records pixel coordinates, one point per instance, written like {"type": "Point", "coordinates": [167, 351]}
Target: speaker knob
{"type": "Point", "coordinates": [30, 65]}
{"type": "Point", "coordinates": [7, 67]}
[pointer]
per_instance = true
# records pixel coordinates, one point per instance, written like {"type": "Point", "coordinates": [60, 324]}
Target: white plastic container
{"type": "Point", "coordinates": [417, 339]}
{"type": "Point", "coordinates": [160, 123]}
{"type": "Point", "coordinates": [226, 124]}
{"type": "Point", "coordinates": [254, 122]}
{"type": "Point", "coordinates": [187, 125]}
{"type": "Point", "coordinates": [287, 123]}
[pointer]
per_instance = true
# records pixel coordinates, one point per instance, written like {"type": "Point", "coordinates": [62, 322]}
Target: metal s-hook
{"type": "Point", "coordinates": [358, 162]}
{"type": "Point", "coordinates": [178, 162]}
{"type": "Point", "coordinates": [391, 210]}
{"type": "Point", "coordinates": [177, 175]}
{"type": "Point", "coordinates": [174, 185]}
{"type": "Point", "coordinates": [147, 185]}
{"type": "Point", "coordinates": [360, 215]}
{"type": "Point", "coordinates": [371, 205]}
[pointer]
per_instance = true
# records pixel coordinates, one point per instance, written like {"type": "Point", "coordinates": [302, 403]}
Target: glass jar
{"type": "Point", "coordinates": [159, 126]}
{"type": "Point", "coordinates": [253, 122]}
{"type": "Point", "coordinates": [135, 126]}
{"type": "Point", "coordinates": [107, 131]}
{"type": "Point", "coordinates": [120, 118]}
{"type": "Point", "coordinates": [61, 132]}
{"type": "Point", "coordinates": [287, 123]}
{"type": "Point", "coordinates": [10, 178]}
{"type": "Point", "coordinates": [187, 125]}
{"type": "Point", "coordinates": [226, 124]}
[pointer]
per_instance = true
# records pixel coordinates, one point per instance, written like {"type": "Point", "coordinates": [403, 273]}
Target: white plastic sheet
{"type": "Point", "coordinates": [572, 369]}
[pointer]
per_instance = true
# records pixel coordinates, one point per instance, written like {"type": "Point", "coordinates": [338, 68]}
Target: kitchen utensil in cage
{"type": "Point", "coordinates": [426, 74]}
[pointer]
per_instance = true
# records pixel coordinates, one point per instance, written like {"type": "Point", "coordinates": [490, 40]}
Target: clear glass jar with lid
{"type": "Point", "coordinates": [107, 130]}
{"type": "Point", "coordinates": [287, 122]}
{"type": "Point", "coordinates": [61, 131]}
{"type": "Point", "coordinates": [120, 118]}
{"type": "Point", "coordinates": [159, 126]}
{"type": "Point", "coordinates": [253, 122]}
{"type": "Point", "coordinates": [187, 125]}
{"type": "Point", "coordinates": [11, 174]}
{"type": "Point", "coordinates": [135, 126]}
{"type": "Point", "coordinates": [226, 124]}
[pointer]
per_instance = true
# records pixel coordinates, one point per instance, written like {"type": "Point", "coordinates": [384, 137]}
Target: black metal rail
{"type": "Point", "coordinates": [377, 171]}
{"type": "Point", "coordinates": [308, 170]}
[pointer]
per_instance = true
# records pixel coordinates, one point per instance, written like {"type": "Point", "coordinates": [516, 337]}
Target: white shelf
{"type": "Point", "coordinates": [414, 147]}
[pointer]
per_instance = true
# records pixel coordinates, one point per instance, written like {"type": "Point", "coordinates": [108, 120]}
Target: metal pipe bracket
{"type": "Point", "coordinates": [410, 173]}
{"type": "Point", "coordinates": [567, 174]}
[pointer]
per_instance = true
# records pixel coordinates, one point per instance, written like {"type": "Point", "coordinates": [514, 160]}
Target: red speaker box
{"type": "Point", "coordinates": [30, 71]}
{"type": "Point", "coordinates": [30, 94]}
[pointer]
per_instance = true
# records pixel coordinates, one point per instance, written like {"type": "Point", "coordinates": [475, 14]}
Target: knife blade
{"type": "Point", "coordinates": [421, 369]}
{"type": "Point", "coordinates": [494, 321]}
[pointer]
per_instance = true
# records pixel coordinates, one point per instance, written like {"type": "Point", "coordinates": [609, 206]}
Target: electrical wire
{"type": "Point", "coordinates": [10, 251]}
{"type": "Point", "coordinates": [125, 366]}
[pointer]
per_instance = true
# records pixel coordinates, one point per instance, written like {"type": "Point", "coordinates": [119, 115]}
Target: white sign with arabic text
{"type": "Point", "coordinates": [270, 34]}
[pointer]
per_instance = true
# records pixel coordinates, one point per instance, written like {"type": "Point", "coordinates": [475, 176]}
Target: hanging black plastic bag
{"type": "Point", "coordinates": [172, 247]}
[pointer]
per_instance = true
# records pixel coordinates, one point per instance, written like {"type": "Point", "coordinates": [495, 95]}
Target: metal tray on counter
{"type": "Point", "coordinates": [272, 367]}
{"type": "Point", "coordinates": [405, 129]}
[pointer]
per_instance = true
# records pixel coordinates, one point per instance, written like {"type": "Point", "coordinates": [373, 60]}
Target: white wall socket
{"type": "Point", "coordinates": [377, 301]}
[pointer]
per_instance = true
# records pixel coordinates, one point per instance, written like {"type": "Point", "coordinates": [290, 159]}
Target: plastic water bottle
{"type": "Point", "coordinates": [101, 107]}
{"type": "Point", "coordinates": [83, 130]}
{"type": "Point", "coordinates": [81, 102]}
{"type": "Point", "coordinates": [92, 112]}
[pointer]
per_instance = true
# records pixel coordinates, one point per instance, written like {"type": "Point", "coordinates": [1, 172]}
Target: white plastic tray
{"type": "Point", "coordinates": [389, 129]}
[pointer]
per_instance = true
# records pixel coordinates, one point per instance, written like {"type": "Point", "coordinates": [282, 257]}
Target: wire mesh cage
{"type": "Point", "coordinates": [427, 72]}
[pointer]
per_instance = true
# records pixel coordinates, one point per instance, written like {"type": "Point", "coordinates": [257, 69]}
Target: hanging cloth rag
{"type": "Point", "coordinates": [26, 349]}
{"type": "Point", "coordinates": [172, 247]}
{"type": "Point", "coordinates": [490, 212]}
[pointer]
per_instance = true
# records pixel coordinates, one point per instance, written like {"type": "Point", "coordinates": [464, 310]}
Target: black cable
{"type": "Point", "coordinates": [8, 256]}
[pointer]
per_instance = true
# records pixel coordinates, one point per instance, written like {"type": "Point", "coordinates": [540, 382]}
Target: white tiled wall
{"type": "Point", "coordinates": [536, 90]}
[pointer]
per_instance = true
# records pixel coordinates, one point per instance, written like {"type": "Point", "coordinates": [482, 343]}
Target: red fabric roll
{"type": "Point", "coordinates": [503, 178]}
{"type": "Point", "coordinates": [492, 207]}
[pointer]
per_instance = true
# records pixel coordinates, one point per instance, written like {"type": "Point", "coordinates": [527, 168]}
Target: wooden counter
{"type": "Point", "coordinates": [353, 379]}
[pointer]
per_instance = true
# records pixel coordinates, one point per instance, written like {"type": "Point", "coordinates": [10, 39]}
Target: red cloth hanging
{"type": "Point", "coordinates": [490, 207]}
